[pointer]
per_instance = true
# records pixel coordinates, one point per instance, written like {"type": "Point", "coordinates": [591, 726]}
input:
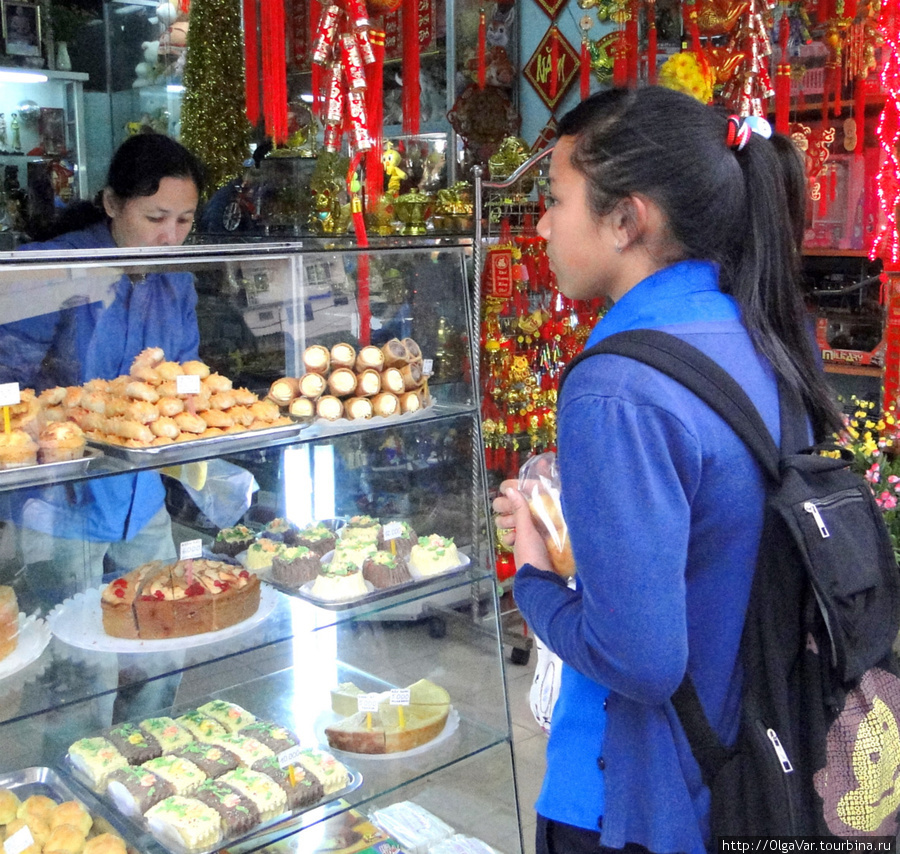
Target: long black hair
{"type": "Point", "coordinates": [136, 169]}
{"type": "Point", "coordinates": [723, 204]}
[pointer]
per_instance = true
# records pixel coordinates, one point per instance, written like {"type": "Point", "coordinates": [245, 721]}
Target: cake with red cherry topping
{"type": "Point", "coordinates": [184, 598]}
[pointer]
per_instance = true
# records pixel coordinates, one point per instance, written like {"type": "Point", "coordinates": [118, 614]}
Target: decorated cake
{"type": "Point", "coordinates": [339, 581]}
{"type": "Point", "coordinates": [331, 773]}
{"type": "Point", "coordinates": [232, 541]}
{"type": "Point", "coordinates": [170, 734]}
{"type": "Point", "coordinates": [394, 728]}
{"type": "Point", "coordinates": [134, 790]}
{"type": "Point", "coordinates": [268, 797]}
{"type": "Point", "coordinates": [183, 774]}
{"type": "Point", "coordinates": [281, 529]}
{"type": "Point", "coordinates": [230, 715]}
{"type": "Point", "coordinates": [95, 759]}
{"type": "Point", "coordinates": [295, 565]}
{"type": "Point", "coordinates": [301, 787]}
{"type": "Point", "coordinates": [433, 555]}
{"type": "Point", "coordinates": [136, 745]}
{"type": "Point", "coordinates": [212, 759]}
{"type": "Point", "coordinates": [236, 811]}
{"type": "Point", "coordinates": [245, 747]}
{"type": "Point", "coordinates": [185, 823]}
{"type": "Point", "coordinates": [261, 554]}
{"type": "Point", "coordinates": [384, 569]}
{"type": "Point", "coordinates": [9, 621]}
{"type": "Point", "coordinates": [184, 598]}
{"type": "Point", "coordinates": [402, 544]}
{"type": "Point", "coordinates": [274, 736]}
{"type": "Point", "coordinates": [202, 727]}
{"type": "Point", "coordinates": [353, 551]}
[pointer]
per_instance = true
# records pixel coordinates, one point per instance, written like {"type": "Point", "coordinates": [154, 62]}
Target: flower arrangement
{"type": "Point", "coordinates": [683, 72]}
{"type": "Point", "coordinates": [874, 442]}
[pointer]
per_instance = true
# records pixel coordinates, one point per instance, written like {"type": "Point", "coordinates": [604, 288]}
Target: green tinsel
{"type": "Point", "coordinates": [213, 122]}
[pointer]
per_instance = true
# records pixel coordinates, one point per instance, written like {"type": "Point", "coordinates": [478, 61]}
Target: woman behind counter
{"type": "Point", "coordinates": [70, 535]}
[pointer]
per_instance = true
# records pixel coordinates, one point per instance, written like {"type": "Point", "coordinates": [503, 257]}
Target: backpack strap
{"type": "Point", "coordinates": [687, 365]}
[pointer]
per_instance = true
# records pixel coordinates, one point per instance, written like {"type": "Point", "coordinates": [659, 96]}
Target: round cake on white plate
{"type": "Point", "coordinates": [339, 580]}
{"type": "Point", "coordinates": [433, 555]}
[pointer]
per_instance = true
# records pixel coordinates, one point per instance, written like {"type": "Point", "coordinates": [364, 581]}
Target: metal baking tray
{"type": "Point", "coordinates": [43, 473]}
{"type": "Point", "coordinates": [139, 828]}
{"type": "Point", "coordinates": [180, 452]}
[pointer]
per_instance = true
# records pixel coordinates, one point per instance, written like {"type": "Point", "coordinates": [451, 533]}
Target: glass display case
{"type": "Point", "coordinates": [400, 678]}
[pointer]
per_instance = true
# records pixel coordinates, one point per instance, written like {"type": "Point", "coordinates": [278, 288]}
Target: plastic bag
{"type": "Point", "coordinates": [226, 492]}
{"type": "Point", "coordinates": [539, 483]}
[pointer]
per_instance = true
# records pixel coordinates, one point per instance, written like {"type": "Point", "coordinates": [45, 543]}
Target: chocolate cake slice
{"type": "Point", "coordinates": [133, 743]}
{"type": "Point", "coordinates": [238, 813]}
{"type": "Point", "coordinates": [134, 790]}
{"type": "Point", "coordinates": [212, 759]}
{"type": "Point", "coordinates": [303, 790]}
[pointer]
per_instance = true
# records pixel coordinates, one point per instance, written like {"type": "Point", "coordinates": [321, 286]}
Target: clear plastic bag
{"type": "Point", "coordinates": [539, 483]}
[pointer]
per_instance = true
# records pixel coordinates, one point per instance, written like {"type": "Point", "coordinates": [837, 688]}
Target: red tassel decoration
{"type": "Point", "coordinates": [585, 68]}
{"type": "Point", "coordinates": [554, 61]}
{"type": "Point", "coordinates": [620, 61]}
{"type": "Point", "coordinates": [412, 92]}
{"type": "Point", "coordinates": [859, 110]}
{"type": "Point", "coordinates": [651, 42]}
{"type": "Point", "coordinates": [313, 14]}
{"type": "Point", "coordinates": [837, 104]}
{"type": "Point", "coordinates": [482, 49]}
{"type": "Point", "coordinates": [783, 80]}
{"type": "Point", "coordinates": [251, 61]}
{"type": "Point", "coordinates": [827, 88]}
{"type": "Point", "coordinates": [631, 40]}
{"type": "Point", "coordinates": [274, 62]}
{"type": "Point", "coordinates": [375, 109]}
{"type": "Point", "coordinates": [362, 261]}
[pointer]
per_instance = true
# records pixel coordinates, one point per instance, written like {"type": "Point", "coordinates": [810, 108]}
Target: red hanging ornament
{"type": "Point", "coordinates": [631, 41]}
{"type": "Point", "coordinates": [274, 64]}
{"type": "Point", "coordinates": [482, 49]}
{"type": "Point", "coordinates": [651, 42]}
{"type": "Point", "coordinates": [251, 61]}
{"type": "Point", "coordinates": [585, 68]}
{"type": "Point", "coordinates": [362, 262]}
{"type": "Point", "coordinates": [620, 60]}
{"type": "Point", "coordinates": [411, 87]}
{"type": "Point", "coordinates": [375, 107]}
{"type": "Point", "coordinates": [859, 110]}
{"type": "Point", "coordinates": [554, 61]}
{"type": "Point", "coordinates": [783, 79]}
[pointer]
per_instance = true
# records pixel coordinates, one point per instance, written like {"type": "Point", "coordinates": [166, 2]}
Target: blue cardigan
{"type": "Point", "coordinates": [160, 311]}
{"type": "Point", "coordinates": [664, 508]}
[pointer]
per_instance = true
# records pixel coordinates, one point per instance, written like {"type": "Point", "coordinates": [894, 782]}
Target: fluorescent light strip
{"type": "Point", "coordinates": [22, 77]}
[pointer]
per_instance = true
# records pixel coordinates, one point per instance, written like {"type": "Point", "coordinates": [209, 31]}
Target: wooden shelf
{"type": "Point", "coordinates": [824, 252]}
{"type": "Point", "coordinates": [853, 370]}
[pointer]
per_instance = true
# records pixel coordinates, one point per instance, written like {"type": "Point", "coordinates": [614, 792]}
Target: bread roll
{"type": "Point", "coordinates": [9, 803]}
{"type": "Point", "coordinates": [548, 516]}
{"type": "Point", "coordinates": [64, 839]}
{"type": "Point", "coordinates": [392, 380]}
{"type": "Point", "coordinates": [36, 807]}
{"type": "Point", "coordinates": [302, 407]}
{"type": "Point", "coordinates": [358, 408]}
{"type": "Point", "coordinates": [342, 382]}
{"type": "Point", "coordinates": [368, 383]}
{"type": "Point", "coordinates": [312, 385]}
{"type": "Point", "coordinates": [74, 813]}
{"type": "Point", "coordinates": [329, 407]}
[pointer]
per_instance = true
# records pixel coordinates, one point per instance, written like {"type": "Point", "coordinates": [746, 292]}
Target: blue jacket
{"type": "Point", "coordinates": [97, 342]}
{"type": "Point", "coordinates": [664, 508]}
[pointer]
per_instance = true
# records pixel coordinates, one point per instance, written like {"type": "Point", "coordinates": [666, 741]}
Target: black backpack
{"type": "Point", "coordinates": [818, 749]}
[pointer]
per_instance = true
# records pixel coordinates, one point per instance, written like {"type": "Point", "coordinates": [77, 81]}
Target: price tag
{"type": "Point", "coordinates": [190, 549]}
{"type": "Point", "coordinates": [187, 384]}
{"type": "Point", "coordinates": [427, 365]}
{"type": "Point", "coordinates": [399, 696]}
{"type": "Point", "coordinates": [9, 394]}
{"type": "Point", "coordinates": [19, 841]}
{"type": "Point", "coordinates": [291, 756]}
{"type": "Point", "coordinates": [367, 702]}
{"type": "Point", "coordinates": [392, 530]}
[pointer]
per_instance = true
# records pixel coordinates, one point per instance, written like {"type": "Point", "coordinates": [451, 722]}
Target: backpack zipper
{"type": "Point", "coordinates": [779, 751]}
{"type": "Point", "coordinates": [812, 507]}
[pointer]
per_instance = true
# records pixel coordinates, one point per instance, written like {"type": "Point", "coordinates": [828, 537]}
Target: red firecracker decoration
{"type": "Point", "coordinates": [375, 106]}
{"type": "Point", "coordinates": [631, 41]}
{"type": "Point", "coordinates": [749, 86]}
{"type": "Point", "coordinates": [412, 90]}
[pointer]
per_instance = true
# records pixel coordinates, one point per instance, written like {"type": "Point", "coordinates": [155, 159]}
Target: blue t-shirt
{"type": "Point", "coordinates": [98, 339]}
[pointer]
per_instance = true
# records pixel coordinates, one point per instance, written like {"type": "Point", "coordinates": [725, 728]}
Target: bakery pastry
{"type": "Point", "coordinates": [37, 807]}
{"type": "Point", "coordinates": [105, 843]}
{"type": "Point", "coordinates": [384, 569]}
{"type": "Point", "coordinates": [317, 359]}
{"type": "Point", "coordinates": [369, 357]}
{"type": "Point", "coordinates": [412, 375]}
{"type": "Point", "coordinates": [60, 441]}
{"type": "Point", "coordinates": [212, 759]}
{"type": "Point", "coordinates": [64, 839]}
{"type": "Point", "coordinates": [410, 401]}
{"type": "Point", "coordinates": [37, 830]}
{"type": "Point", "coordinates": [245, 747]}
{"type": "Point", "coordinates": [295, 565]}
{"type": "Point", "coordinates": [261, 554]}
{"type": "Point", "coordinates": [301, 787]}
{"type": "Point", "coordinates": [316, 537]}
{"type": "Point", "coordinates": [312, 385]}
{"type": "Point", "coordinates": [433, 555]}
{"type": "Point", "coordinates": [393, 729]}
{"type": "Point", "coordinates": [184, 823]}
{"type": "Point", "coordinates": [169, 733]}
{"type": "Point", "coordinates": [355, 523]}
{"type": "Point", "coordinates": [268, 797]}
{"type": "Point", "coordinates": [183, 774]}
{"type": "Point", "coordinates": [395, 354]}
{"type": "Point", "coordinates": [401, 545]}
{"type": "Point", "coordinates": [341, 581]}
{"type": "Point", "coordinates": [368, 383]}
{"type": "Point", "coordinates": [329, 407]}
{"type": "Point", "coordinates": [274, 736]}
{"type": "Point", "coordinates": [385, 404]}
{"type": "Point", "coordinates": [9, 805]}
{"type": "Point", "coordinates": [134, 789]}
{"type": "Point", "coordinates": [284, 390]}
{"type": "Point", "coordinates": [136, 745]}
{"type": "Point", "coordinates": [331, 773]}
{"type": "Point", "coordinates": [343, 356]}
{"type": "Point", "coordinates": [9, 621]}
{"type": "Point", "coordinates": [547, 513]}
{"type": "Point", "coordinates": [232, 541]}
{"type": "Point", "coordinates": [237, 812]}
{"type": "Point", "coordinates": [342, 382]}
{"type": "Point", "coordinates": [281, 529]}
{"type": "Point", "coordinates": [413, 351]}
{"type": "Point", "coordinates": [95, 759]}
{"type": "Point", "coordinates": [17, 449]}
{"type": "Point", "coordinates": [232, 716]}
{"type": "Point", "coordinates": [74, 813]}
{"type": "Point", "coordinates": [302, 407]}
{"type": "Point", "coordinates": [202, 727]}
{"type": "Point", "coordinates": [392, 381]}
{"type": "Point", "coordinates": [358, 408]}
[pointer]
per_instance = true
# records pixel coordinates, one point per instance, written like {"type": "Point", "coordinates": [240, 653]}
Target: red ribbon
{"type": "Point", "coordinates": [482, 49]}
{"type": "Point", "coordinates": [274, 62]}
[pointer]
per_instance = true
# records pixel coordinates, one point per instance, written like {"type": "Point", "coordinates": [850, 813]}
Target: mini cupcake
{"type": "Point", "coordinates": [318, 538]}
{"type": "Point", "coordinates": [17, 449]}
{"type": "Point", "coordinates": [60, 441]}
{"type": "Point", "coordinates": [295, 565]}
{"type": "Point", "coordinates": [232, 541]}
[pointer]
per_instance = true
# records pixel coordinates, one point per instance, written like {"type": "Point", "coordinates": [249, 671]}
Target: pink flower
{"type": "Point", "coordinates": [886, 501]}
{"type": "Point", "coordinates": [874, 472]}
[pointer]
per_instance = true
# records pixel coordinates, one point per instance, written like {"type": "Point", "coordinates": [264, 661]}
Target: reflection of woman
{"type": "Point", "coordinates": [71, 534]}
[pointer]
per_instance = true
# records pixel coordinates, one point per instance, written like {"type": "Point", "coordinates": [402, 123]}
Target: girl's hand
{"type": "Point", "coordinates": [517, 529]}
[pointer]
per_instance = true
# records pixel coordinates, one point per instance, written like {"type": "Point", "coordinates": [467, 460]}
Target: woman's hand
{"type": "Point", "coordinates": [517, 529]}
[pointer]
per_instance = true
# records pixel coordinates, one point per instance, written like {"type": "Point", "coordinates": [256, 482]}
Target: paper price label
{"type": "Point", "coordinates": [19, 841]}
{"type": "Point", "coordinates": [190, 549]}
{"type": "Point", "coordinates": [399, 696]}
{"type": "Point", "coordinates": [427, 365]}
{"type": "Point", "coordinates": [9, 394]}
{"type": "Point", "coordinates": [187, 384]}
{"type": "Point", "coordinates": [367, 703]}
{"type": "Point", "coordinates": [291, 756]}
{"type": "Point", "coordinates": [392, 530]}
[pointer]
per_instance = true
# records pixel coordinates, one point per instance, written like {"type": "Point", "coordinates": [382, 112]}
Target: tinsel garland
{"type": "Point", "coordinates": [214, 123]}
{"type": "Point", "coordinates": [885, 244]}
